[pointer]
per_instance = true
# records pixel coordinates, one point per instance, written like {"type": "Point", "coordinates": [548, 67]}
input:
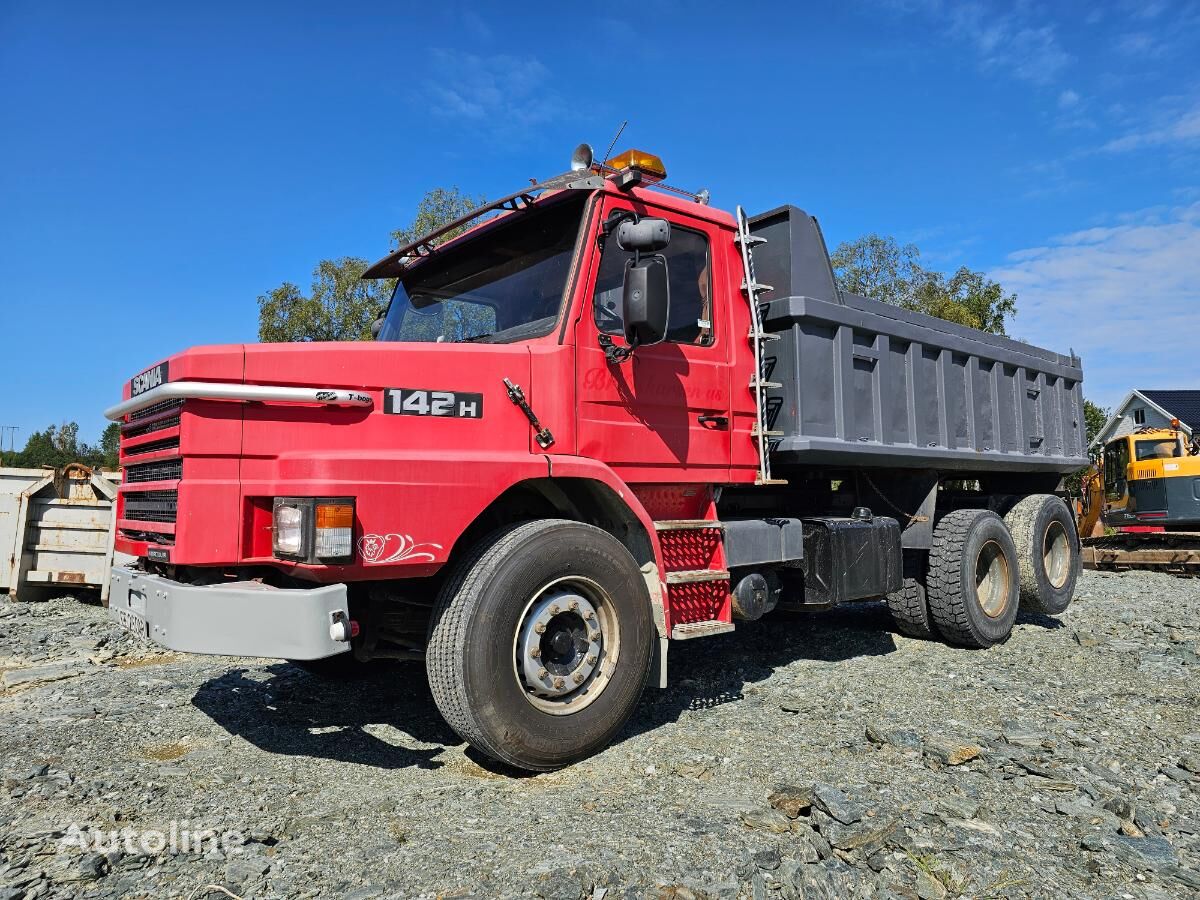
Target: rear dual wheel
{"type": "Point", "coordinates": [1043, 531]}
{"type": "Point", "coordinates": [972, 583]}
{"type": "Point", "coordinates": [540, 643]}
{"type": "Point", "coordinates": [909, 606]}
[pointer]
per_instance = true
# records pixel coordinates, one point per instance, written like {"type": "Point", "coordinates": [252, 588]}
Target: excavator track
{"type": "Point", "coordinates": [1177, 552]}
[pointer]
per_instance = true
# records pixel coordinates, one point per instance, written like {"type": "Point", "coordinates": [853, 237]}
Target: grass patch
{"type": "Point", "coordinates": [138, 662]}
{"type": "Point", "coordinates": [167, 752]}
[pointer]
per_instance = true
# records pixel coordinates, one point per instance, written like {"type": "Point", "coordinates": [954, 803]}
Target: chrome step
{"type": "Point", "coordinates": [686, 524]}
{"type": "Point", "coordinates": [700, 629]}
{"type": "Point", "coordinates": [764, 336]}
{"type": "Point", "coordinates": [756, 383]}
{"type": "Point", "coordinates": [756, 287]}
{"type": "Point", "coordinates": [695, 576]}
{"type": "Point", "coordinates": [749, 239]}
{"type": "Point", "coordinates": [760, 481]}
{"type": "Point", "coordinates": [756, 433]}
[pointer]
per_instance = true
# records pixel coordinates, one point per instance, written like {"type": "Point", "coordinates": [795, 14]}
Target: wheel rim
{"type": "Point", "coordinates": [1056, 554]}
{"type": "Point", "coordinates": [992, 580]}
{"type": "Point", "coordinates": [566, 645]}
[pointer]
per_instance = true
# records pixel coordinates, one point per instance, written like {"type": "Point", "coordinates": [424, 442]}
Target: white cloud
{"type": "Point", "coordinates": [1126, 297]}
{"type": "Point", "coordinates": [1145, 9]}
{"type": "Point", "coordinates": [1068, 99]}
{"type": "Point", "coordinates": [500, 92]}
{"type": "Point", "coordinates": [1138, 43]}
{"type": "Point", "coordinates": [1177, 128]}
{"type": "Point", "coordinates": [1012, 42]}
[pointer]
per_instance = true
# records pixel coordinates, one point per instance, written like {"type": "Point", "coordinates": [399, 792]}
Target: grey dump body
{"type": "Point", "coordinates": [865, 383]}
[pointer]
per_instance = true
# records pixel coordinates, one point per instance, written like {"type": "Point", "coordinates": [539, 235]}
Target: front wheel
{"type": "Point", "coordinates": [540, 643]}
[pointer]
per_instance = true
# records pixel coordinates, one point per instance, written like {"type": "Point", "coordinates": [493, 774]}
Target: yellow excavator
{"type": "Point", "coordinates": [1140, 507]}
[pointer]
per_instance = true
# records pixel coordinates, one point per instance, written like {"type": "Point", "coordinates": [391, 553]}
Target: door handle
{"type": "Point", "coordinates": [719, 421]}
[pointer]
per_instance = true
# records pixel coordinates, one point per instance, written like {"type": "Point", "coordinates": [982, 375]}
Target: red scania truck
{"type": "Point", "coordinates": [603, 417]}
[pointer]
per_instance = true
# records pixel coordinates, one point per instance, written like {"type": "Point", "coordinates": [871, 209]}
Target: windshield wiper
{"type": "Point", "coordinates": [475, 337]}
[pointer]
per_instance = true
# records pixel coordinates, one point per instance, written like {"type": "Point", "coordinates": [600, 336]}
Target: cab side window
{"type": "Point", "coordinates": [1116, 460]}
{"type": "Point", "coordinates": [688, 268]}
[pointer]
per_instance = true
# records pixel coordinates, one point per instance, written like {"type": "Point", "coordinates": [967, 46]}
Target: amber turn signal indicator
{"type": "Point", "coordinates": [335, 515]}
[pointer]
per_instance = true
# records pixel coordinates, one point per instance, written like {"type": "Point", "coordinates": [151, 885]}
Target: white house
{"type": "Point", "coordinates": [1155, 409]}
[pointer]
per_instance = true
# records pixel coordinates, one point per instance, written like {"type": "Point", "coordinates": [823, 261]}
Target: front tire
{"type": "Point", "coordinates": [972, 581]}
{"type": "Point", "coordinates": [540, 643]}
{"type": "Point", "coordinates": [1043, 531]}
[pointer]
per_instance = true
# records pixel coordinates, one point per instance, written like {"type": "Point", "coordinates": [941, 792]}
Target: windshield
{"type": "Point", "coordinates": [1162, 448]}
{"type": "Point", "coordinates": [504, 284]}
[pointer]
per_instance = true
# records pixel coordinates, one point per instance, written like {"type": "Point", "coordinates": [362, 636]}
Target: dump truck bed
{"type": "Point", "coordinates": [866, 383]}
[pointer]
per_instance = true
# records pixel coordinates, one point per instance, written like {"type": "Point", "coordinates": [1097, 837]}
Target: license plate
{"type": "Point", "coordinates": [133, 623]}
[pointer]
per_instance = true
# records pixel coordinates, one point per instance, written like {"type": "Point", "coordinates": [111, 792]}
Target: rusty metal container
{"type": "Point", "coordinates": [56, 528]}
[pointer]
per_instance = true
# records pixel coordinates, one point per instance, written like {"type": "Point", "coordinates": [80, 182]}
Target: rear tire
{"type": "Point", "coordinates": [909, 606]}
{"type": "Point", "coordinates": [972, 581]}
{"type": "Point", "coordinates": [1047, 552]}
{"type": "Point", "coordinates": [540, 643]}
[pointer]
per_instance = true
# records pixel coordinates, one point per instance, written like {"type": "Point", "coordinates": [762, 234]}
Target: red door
{"type": "Point", "coordinates": [662, 415]}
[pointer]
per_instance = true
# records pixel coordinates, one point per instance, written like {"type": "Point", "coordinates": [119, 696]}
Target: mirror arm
{"type": "Point", "coordinates": [613, 354]}
{"type": "Point", "coordinates": [611, 223]}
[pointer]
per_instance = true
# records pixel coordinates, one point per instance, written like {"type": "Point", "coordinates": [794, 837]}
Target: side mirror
{"type": "Point", "coordinates": [377, 325]}
{"type": "Point", "coordinates": [644, 236]}
{"type": "Point", "coordinates": [646, 301]}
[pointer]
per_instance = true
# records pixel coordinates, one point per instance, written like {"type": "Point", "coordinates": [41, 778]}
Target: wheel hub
{"type": "Point", "coordinates": [1056, 554]}
{"type": "Point", "coordinates": [992, 580]}
{"type": "Point", "coordinates": [559, 644]}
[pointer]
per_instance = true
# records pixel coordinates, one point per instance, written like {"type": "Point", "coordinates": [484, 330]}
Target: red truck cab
{"type": "Point", "coordinates": [517, 482]}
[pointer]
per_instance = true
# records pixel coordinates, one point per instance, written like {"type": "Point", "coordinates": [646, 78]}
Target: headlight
{"type": "Point", "coordinates": [314, 529]}
{"type": "Point", "coordinates": [288, 537]}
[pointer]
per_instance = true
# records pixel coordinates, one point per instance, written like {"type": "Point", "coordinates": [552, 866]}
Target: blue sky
{"type": "Point", "coordinates": [161, 165]}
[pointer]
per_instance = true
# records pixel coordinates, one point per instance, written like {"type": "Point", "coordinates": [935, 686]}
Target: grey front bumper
{"type": "Point", "coordinates": [242, 618]}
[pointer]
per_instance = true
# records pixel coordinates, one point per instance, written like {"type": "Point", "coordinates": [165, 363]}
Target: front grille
{"type": "Point", "coordinates": [154, 409]}
{"type": "Point", "coordinates": [162, 415]}
{"type": "Point", "coordinates": [156, 425]}
{"type": "Point", "coordinates": [166, 470]}
{"type": "Point", "coordinates": [153, 446]}
{"type": "Point", "coordinates": [151, 506]}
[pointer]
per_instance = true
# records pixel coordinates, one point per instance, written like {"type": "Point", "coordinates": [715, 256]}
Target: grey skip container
{"type": "Point", "coordinates": [865, 383]}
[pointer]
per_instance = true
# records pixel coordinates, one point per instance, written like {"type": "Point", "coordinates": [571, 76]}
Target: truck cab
{"type": "Point", "coordinates": [556, 458]}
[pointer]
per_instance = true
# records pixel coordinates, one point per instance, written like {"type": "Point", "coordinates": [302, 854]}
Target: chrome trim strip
{"type": "Point", "coordinates": [245, 393]}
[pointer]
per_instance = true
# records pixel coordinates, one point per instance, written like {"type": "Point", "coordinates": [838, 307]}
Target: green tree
{"type": "Point", "coordinates": [438, 207]}
{"type": "Point", "coordinates": [59, 445]}
{"type": "Point", "coordinates": [1094, 417]}
{"type": "Point", "coordinates": [55, 446]}
{"type": "Point", "coordinates": [878, 266]}
{"type": "Point", "coordinates": [110, 445]}
{"type": "Point", "coordinates": [339, 305]}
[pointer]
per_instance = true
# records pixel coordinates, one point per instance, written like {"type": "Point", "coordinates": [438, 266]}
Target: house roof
{"type": "Point", "coordinates": [1183, 405]}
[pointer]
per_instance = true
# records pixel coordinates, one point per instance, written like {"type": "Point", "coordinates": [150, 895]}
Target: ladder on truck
{"type": "Point", "coordinates": [757, 337]}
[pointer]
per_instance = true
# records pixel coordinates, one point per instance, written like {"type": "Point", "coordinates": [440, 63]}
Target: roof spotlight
{"type": "Point", "coordinates": [581, 159]}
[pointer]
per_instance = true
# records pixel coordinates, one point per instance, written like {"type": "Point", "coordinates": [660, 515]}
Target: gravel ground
{"type": "Point", "coordinates": [802, 756]}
